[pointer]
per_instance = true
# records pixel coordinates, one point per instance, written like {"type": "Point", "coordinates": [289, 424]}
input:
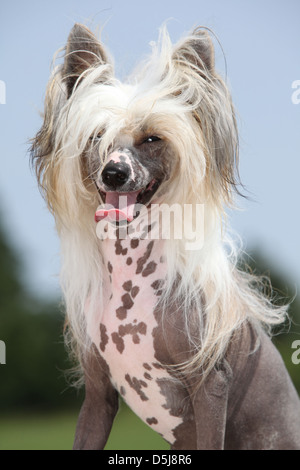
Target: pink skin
{"type": "Point", "coordinates": [126, 355]}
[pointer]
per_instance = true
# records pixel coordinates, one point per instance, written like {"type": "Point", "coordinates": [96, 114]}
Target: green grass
{"type": "Point", "coordinates": [37, 431]}
{"type": "Point", "coordinates": [56, 432]}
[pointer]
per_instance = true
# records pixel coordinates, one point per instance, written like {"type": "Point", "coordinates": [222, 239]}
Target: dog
{"type": "Point", "coordinates": [177, 330]}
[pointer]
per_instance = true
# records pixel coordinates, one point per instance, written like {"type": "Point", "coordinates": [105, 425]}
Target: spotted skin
{"type": "Point", "coordinates": [143, 259]}
{"type": "Point", "coordinates": [138, 354]}
{"type": "Point", "coordinates": [137, 385]}
{"type": "Point", "coordinates": [126, 338]}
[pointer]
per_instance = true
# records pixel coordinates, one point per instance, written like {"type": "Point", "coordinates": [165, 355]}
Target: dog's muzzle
{"type": "Point", "coordinates": [124, 186]}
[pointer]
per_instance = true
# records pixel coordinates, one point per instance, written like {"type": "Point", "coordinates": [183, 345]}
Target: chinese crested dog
{"type": "Point", "coordinates": [169, 323]}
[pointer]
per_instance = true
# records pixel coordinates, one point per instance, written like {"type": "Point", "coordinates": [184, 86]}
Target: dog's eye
{"type": "Point", "coordinates": [96, 138]}
{"type": "Point", "coordinates": [151, 138]}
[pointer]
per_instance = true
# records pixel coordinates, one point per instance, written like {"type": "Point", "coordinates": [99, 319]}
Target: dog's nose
{"type": "Point", "coordinates": [115, 175]}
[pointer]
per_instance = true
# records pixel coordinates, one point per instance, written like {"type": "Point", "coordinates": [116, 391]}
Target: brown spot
{"type": "Point", "coordinates": [122, 390]}
{"type": "Point", "coordinates": [149, 269]}
{"type": "Point", "coordinates": [134, 291]}
{"type": "Point", "coordinates": [134, 243]}
{"type": "Point", "coordinates": [142, 328]}
{"type": "Point", "coordinates": [157, 365]}
{"type": "Point", "coordinates": [128, 329]}
{"type": "Point", "coordinates": [121, 313]}
{"type": "Point", "coordinates": [134, 330]}
{"type": "Point", "coordinates": [125, 329]}
{"type": "Point", "coordinates": [143, 259]}
{"type": "Point", "coordinates": [147, 366]}
{"type": "Point", "coordinates": [127, 286]}
{"type": "Point", "coordinates": [129, 261]}
{"type": "Point", "coordinates": [147, 376]}
{"type": "Point", "coordinates": [157, 284]}
{"type": "Point", "coordinates": [110, 268]}
{"type": "Point", "coordinates": [127, 301]}
{"type": "Point", "coordinates": [127, 304]}
{"type": "Point", "coordinates": [119, 342]}
{"type": "Point", "coordinates": [151, 421]}
{"type": "Point", "coordinates": [137, 385]}
{"type": "Point", "coordinates": [119, 249]}
{"type": "Point", "coordinates": [135, 339]}
{"type": "Point", "coordinates": [103, 336]}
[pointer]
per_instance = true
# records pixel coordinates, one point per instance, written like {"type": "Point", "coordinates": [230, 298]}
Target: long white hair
{"type": "Point", "coordinates": [178, 93]}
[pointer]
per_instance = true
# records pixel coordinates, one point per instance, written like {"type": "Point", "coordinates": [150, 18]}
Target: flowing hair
{"type": "Point", "coordinates": [177, 92]}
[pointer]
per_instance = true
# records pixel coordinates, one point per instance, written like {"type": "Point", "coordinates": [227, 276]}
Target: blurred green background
{"type": "Point", "coordinates": [38, 408]}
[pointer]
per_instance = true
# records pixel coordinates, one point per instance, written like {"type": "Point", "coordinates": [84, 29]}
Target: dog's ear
{"type": "Point", "coordinates": [213, 112]}
{"type": "Point", "coordinates": [83, 51]}
{"type": "Point", "coordinates": [204, 48]}
{"type": "Point", "coordinates": [197, 50]}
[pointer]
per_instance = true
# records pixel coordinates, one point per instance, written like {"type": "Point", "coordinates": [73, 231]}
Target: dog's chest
{"type": "Point", "coordinates": [124, 334]}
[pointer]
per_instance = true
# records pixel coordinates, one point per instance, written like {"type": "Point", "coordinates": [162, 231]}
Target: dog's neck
{"type": "Point", "coordinates": [134, 272]}
{"type": "Point", "coordinates": [131, 259]}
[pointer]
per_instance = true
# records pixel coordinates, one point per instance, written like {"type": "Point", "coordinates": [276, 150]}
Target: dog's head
{"type": "Point", "coordinates": [167, 135]}
{"type": "Point", "coordinates": [132, 173]}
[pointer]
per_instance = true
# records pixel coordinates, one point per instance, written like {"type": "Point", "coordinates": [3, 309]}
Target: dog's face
{"type": "Point", "coordinates": [169, 136]}
{"type": "Point", "coordinates": [131, 174]}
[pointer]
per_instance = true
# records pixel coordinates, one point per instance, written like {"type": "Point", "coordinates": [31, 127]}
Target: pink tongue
{"type": "Point", "coordinates": [118, 206]}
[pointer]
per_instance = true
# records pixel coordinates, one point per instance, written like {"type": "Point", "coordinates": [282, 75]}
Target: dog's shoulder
{"type": "Point", "coordinates": [262, 395]}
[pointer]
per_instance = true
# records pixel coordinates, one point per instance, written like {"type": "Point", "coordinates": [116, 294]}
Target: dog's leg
{"type": "Point", "coordinates": [99, 408]}
{"type": "Point", "coordinates": [210, 409]}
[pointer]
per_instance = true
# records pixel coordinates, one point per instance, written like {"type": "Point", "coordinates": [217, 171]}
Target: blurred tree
{"type": "Point", "coordinates": [283, 293]}
{"type": "Point", "coordinates": [36, 360]}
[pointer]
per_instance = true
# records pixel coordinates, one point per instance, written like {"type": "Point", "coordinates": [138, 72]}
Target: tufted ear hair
{"type": "Point", "coordinates": [197, 50]}
{"type": "Point", "coordinates": [213, 112]}
{"type": "Point", "coordinates": [83, 51]}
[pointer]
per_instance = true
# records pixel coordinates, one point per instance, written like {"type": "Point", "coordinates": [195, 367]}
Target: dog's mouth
{"type": "Point", "coordinates": [125, 206]}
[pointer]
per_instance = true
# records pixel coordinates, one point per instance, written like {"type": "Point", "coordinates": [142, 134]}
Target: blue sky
{"type": "Point", "coordinates": [260, 39]}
